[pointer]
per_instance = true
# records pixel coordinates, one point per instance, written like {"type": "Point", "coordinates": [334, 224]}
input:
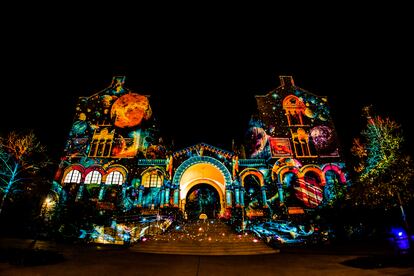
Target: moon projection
{"type": "Point", "coordinates": [130, 109]}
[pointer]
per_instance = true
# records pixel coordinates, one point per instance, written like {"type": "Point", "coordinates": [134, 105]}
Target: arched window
{"type": "Point", "coordinates": [311, 191]}
{"type": "Point", "coordinates": [73, 176]}
{"type": "Point", "coordinates": [94, 177]}
{"type": "Point", "coordinates": [312, 178]}
{"type": "Point", "coordinates": [334, 187]}
{"type": "Point", "coordinates": [332, 178]}
{"type": "Point", "coordinates": [114, 178]}
{"type": "Point", "coordinates": [290, 184]}
{"type": "Point", "coordinates": [152, 179]}
{"type": "Point", "coordinates": [294, 108]}
{"type": "Point", "coordinates": [253, 194]}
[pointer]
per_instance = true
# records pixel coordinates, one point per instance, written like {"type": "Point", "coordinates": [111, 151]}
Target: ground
{"type": "Point", "coordinates": [110, 260]}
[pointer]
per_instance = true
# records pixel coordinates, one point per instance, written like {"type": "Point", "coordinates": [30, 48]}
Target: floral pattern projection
{"type": "Point", "coordinates": [110, 128]}
{"type": "Point", "coordinates": [294, 135]}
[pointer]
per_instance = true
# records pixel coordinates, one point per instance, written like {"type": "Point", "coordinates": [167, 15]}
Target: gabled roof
{"type": "Point", "coordinates": [286, 82]}
{"type": "Point", "coordinates": [116, 84]}
{"type": "Point", "coordinates": [204, 146]}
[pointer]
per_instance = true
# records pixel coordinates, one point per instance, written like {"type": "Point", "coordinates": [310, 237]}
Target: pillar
{"type": "Point", "coordinates": [176, 196]}
{"type": "Point", "coordinates": [140, 192]}
{"type": "Point", "coordinates": [237, 196]}
{"type": "Point", "coordinates": [80, 192]}
{"type": "Point", "coordinates": [101, 192]}
{"type": "Point", "coordinates": [228, 198]}
{"type": "Point", "coordinates": [125, 202]}
{"type": "Point", "coordinates": [162, 199]}
{"type": "Point", "coordinates": [264, 197]}
{"type": "Point", "coordinates": [242, 197]}
{"type": "Point", "coordinates": [167, 196]}
{"type": "Point", "coordinates": [280, 190]}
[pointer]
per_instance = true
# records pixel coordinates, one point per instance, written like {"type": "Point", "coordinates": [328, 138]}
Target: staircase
{"type": "Point", "coordinates": [211, 237]}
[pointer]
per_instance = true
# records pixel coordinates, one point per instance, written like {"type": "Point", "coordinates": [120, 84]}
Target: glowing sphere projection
{"type": "Point", "coordinates": [130, 109]}
{"type": "Point", "coordinates": [322, 137]}
{"type": "Point", "coordinates": [287, 166]}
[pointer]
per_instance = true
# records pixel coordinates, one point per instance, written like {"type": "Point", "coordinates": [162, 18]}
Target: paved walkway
{"type": "Point", "coordinates": [112, 260]}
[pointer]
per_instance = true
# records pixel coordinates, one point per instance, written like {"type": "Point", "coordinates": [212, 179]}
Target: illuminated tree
{"type": "Point", "coordinates": [21, 158]}
{"type": "Point", "coordinates": [385, 173]}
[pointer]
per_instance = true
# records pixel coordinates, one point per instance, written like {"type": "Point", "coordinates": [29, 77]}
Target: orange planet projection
{"type": "Point", "coordinates": [130, 109]}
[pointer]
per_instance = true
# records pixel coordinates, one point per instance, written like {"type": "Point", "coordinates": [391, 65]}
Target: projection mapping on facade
{"type": "Point", "coordinates": [289, 164]}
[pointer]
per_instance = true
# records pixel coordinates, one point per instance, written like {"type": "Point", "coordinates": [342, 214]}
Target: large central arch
{"type": "Point", "coordinates": [202, 170]}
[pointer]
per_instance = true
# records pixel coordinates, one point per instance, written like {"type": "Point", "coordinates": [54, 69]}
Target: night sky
{"type": "Point", "coordinates": [202, 77]}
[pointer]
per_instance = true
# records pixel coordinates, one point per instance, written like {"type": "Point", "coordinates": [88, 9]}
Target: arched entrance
{"type": "Point", "coordinates": [206, 173]}
{"type": "Point", "coordinates": [202, 198]}
{"type": "Point", "coordinates": [253, 199]}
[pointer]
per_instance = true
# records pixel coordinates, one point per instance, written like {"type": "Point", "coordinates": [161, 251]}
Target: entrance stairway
{"type": "Point", "coordinates": [210, 237]}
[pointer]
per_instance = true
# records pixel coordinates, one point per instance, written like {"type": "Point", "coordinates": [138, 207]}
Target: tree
{"type": "Point", "coordinates": [21, 158]}
{"type": "Point", "coordinates": [385, 172]}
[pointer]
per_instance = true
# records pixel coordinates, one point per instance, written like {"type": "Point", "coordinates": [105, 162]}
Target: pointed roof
{"type": "Point", "coordinates": [287, 82]}
{"type": "Point", "coordinates": [204, 146]}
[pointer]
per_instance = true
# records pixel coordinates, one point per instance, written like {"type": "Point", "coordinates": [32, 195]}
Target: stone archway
{"type": "Point", "coordinates": [202, 170]}
{"type": "Point", "coordinates": [203, 198]}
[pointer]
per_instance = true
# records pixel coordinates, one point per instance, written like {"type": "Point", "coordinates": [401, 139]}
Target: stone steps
{"type": "Point", "coordinates": [213, 239]}
{"type": "Point", "coordinates": [206, 248]}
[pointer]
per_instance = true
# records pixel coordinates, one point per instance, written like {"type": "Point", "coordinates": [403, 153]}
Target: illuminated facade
{"type": "Point", "coordinates": [114, 158]}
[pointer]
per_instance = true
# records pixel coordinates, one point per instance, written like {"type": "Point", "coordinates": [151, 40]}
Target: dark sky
{"type": "Point", "coordinates": [202, 73]}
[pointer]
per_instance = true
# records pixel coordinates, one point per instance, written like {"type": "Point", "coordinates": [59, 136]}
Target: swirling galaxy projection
{"type": "Point", "coordinates": [294, 131]}
{"type": "Point", "coordinates": [288, 164]}
{"type": "Point", "coordinates": [290, 113]}
{"type": "Point", "coordinates": [324, 140]}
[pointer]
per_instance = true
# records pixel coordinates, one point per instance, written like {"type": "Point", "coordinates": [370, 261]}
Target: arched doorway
{"type": "Point", "coordinates": [290, 182]}
{"type": "Point", "coordinates": [253, 199]}
{"type": "Point", "coordinates": [202, 170]}
{"type": "Point", "coordinates": [202, 199]}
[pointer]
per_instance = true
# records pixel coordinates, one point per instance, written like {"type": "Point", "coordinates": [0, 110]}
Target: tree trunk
{"type": "Point", "coordinates": [9, 185]}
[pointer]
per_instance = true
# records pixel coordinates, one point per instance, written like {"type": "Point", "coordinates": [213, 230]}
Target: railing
{"type": "Point", "coordinates": [252, 162]}
{"type": "Point", "coordinates": [151, 162]}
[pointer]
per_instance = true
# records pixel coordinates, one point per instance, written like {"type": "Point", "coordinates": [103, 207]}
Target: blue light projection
{"type": "Point", "coordinates": [289, 164]}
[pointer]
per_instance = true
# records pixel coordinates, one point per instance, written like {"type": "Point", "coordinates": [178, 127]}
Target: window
{"type": "Point", "coordinates": [94, 177]}
{"type": "Point", "coordinates": [73, 176]}
{"type": "Point", "coordinates": [101, 143]}
{"type": "Point", "coordinates": [294, 108]}
{"type": "Point", "coordinates": [152, 179]}
{"type": "Point", "coordinates": [114, 178]}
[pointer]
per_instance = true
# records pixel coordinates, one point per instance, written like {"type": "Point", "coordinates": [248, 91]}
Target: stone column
{"type": "Point", "coordinates": [167, 196]}
{"type": "Point", "coordinates": [264, 197]}
{"type": "Point", "coordinates": [101, 192]}
{"type": "Point", "coordinates": [140, 193]}
{"type": "Point", "coordinates": [176, 196]}
{"type": "Point", "coordinates": [162, 199]}
{"type": "Point", "coordinates": [123, 195]}
{"type": "Point", "coordinates": [237, 196]}
{"type": "Point", "coordinates": [228, 197]}
{"type": "Point", "coordinates": [80, 192]}
{"type": "Point", "coordinates": [242, 196]}
{"type": "Point", "coordinates": [280, 190]}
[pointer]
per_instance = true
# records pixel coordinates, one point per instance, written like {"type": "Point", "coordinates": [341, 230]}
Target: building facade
{"type": "Point", "coordinates": [290, 161]}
